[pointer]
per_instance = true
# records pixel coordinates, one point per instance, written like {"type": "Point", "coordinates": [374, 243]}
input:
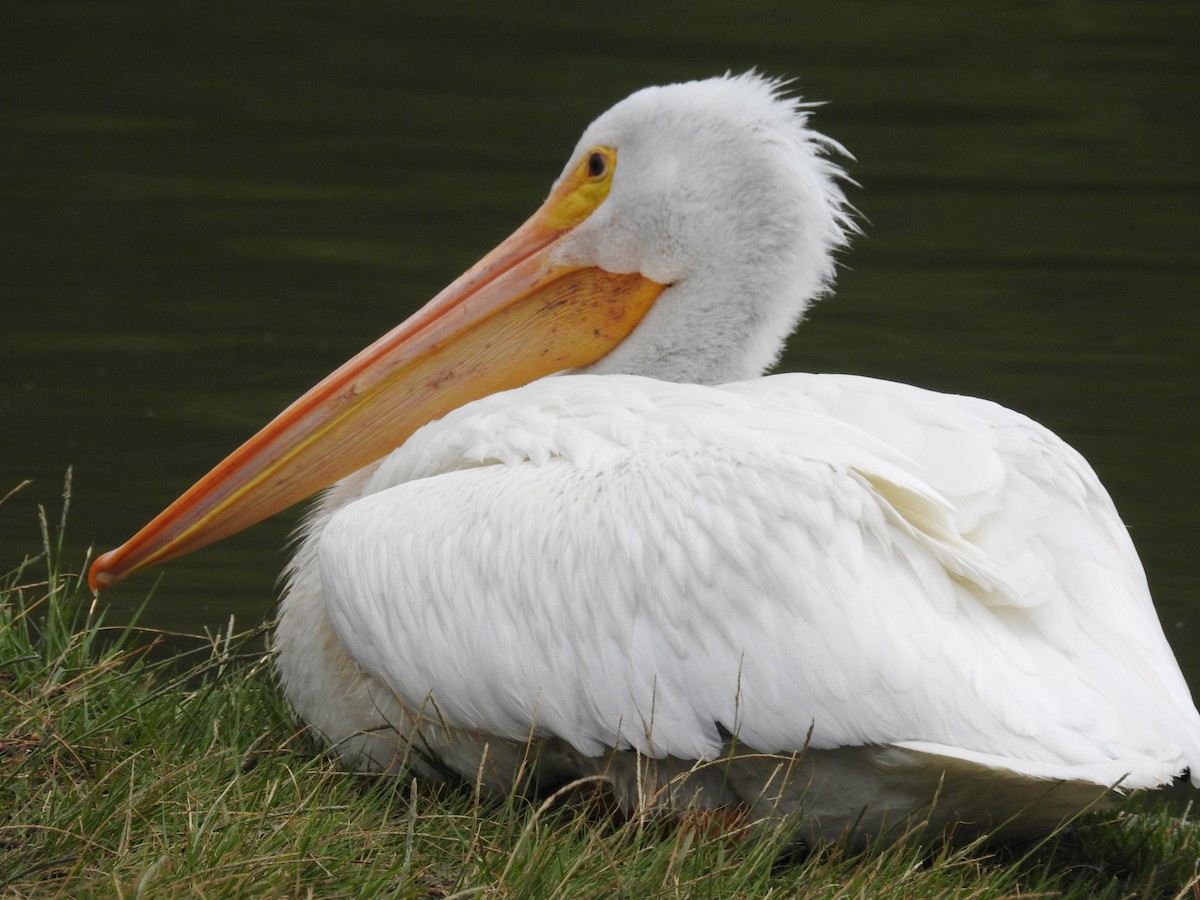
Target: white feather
{"type": "Point", "coordinates": [740, 564]}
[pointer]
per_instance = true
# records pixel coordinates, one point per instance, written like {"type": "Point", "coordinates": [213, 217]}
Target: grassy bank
{"type": "Point", "coordinates": [124, 775]}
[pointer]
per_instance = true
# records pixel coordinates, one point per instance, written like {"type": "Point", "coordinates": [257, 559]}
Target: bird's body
{"type": "Point", "coordinates": [815, 594]}
{"type": "Point", "coordinates": [808, 562]}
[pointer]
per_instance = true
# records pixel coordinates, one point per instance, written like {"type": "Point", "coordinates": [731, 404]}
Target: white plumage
{"type": "Point", "coordinates": [811, 561]}
{"type": "Point", "coordinates": [900, 594]}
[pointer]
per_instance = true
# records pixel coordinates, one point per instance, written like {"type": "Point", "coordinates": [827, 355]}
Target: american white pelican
{"type": "Point", "coordinates": [648, 564]}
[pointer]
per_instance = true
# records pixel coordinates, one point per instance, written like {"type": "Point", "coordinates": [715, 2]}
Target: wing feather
{"type": "Point", "coordinates": [824, 560]}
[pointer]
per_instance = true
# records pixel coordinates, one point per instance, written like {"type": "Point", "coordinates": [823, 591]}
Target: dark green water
{"type": "Point", "coordinates": [204, 207]}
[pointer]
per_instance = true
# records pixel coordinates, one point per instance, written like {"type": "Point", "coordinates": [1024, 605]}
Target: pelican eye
{"type": "Point", "coordinates": [583, 189]}
{"type": "Point", "coordinates": [597, 165]}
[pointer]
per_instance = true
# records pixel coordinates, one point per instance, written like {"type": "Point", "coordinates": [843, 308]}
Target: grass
{"type": "Point", "coordinates": [123, 774]}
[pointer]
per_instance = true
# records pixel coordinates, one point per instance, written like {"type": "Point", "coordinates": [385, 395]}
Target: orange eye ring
{"type": "Point", "coordinates": [583, 190]}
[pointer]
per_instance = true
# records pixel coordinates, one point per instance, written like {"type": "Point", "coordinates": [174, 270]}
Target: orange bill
{"type": "Point", "coordinates": [512, 318]}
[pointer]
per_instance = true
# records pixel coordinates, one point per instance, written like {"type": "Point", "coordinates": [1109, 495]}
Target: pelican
{"type": "Point", "coordinates": [570, 531]}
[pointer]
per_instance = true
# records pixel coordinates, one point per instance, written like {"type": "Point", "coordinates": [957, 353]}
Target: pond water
{"type": "Point", "coordinates": [206, 207]}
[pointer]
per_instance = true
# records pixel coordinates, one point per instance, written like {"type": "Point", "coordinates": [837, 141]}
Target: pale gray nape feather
{"type": "Point", "coordinates": [902, 594]}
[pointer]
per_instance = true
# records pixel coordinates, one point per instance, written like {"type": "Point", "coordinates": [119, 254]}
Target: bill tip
{"type": "Point", "coordinates": [100, 576]}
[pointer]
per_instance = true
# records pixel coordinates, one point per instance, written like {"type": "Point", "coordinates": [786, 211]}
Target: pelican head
{"type": "Point", "coordinates": [721, 191]}
{"type": "Point", "coordinates": [689, 230]}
